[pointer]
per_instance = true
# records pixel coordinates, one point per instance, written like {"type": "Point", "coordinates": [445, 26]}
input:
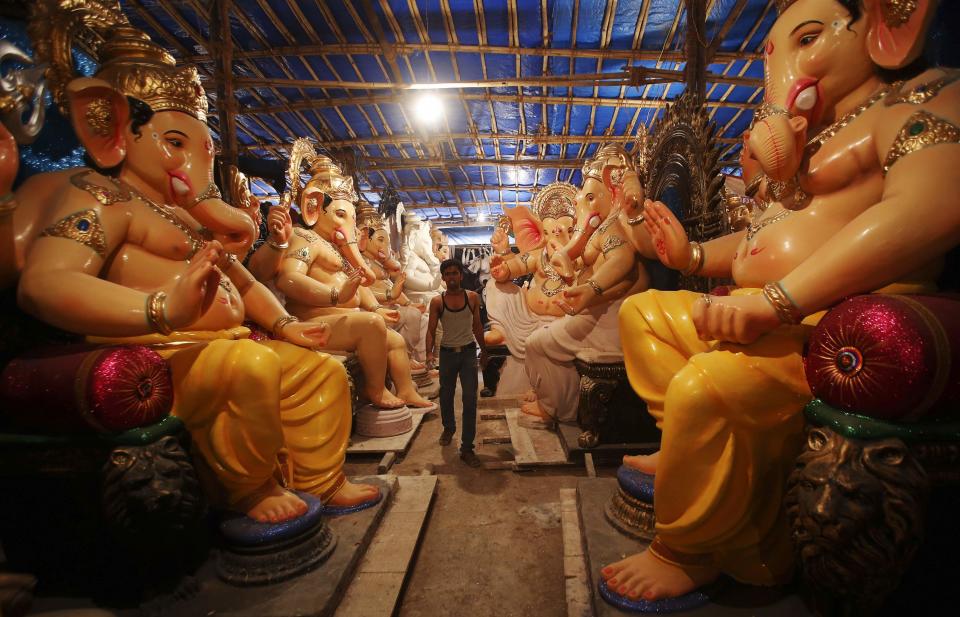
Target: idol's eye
{"type": "Point", "coordinates": [341, 213]}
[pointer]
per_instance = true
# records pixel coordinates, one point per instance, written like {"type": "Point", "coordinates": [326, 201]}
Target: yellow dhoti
{"type": "Point", "coordinates": [244, 402]}
{"type": "Point", "coordinates": [732, 428]}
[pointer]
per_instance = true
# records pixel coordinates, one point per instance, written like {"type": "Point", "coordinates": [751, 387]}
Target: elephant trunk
{"type": "Point", "coordinates": [231, 226]}
{"type": "Point", "coordinates": [564, 257]}
{"type": "Point", "coordinates": [777, 143]}
{"type": "Point", "coordinates": [346, 241]}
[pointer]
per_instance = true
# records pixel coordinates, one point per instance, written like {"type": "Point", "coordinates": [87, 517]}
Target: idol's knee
{"type": "Point", "coordinates": [370, 322]}
{"type": "Point", "coordinates": [636, 314]}
{"type": "Point", "coordinates": [395, 341]}
{"type": "Point", "coordinates": [536, 342]}
{"type": "Point", "coordinates": [691, 393]}
{"type": "Point", "coordinates": [251, 360]}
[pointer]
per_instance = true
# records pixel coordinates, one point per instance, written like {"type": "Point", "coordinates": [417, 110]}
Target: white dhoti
{"type": "Point", "coordinates": [508, 311]}
{"type": "Point", "coordinates": [551, 350]}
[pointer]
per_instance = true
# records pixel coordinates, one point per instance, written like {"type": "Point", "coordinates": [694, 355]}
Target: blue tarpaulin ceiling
{"type": "Point", "coordinates": [345, 73]}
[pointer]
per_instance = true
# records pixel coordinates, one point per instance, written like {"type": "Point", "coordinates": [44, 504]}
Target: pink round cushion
{"type": "Point", "coordinates": [888, 357]}
{"type": "Point", "coordinates": [79, 389]}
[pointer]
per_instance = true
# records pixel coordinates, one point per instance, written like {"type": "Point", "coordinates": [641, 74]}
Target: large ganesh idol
{"type": "Point", "coordinates": [862, 173]}
{"type": "Point", "coordinates": [120, 259]}
{"type": "Point", "coordinates": [611, 272]}
{"type": "Point", "coordinates": [388, 287]}
{"type": "Point", "coordinates": [421, 269]}
{"type": "Point", "coordinates": [515, 312]}
{"type": "Point", "coordinates": [321, 276]}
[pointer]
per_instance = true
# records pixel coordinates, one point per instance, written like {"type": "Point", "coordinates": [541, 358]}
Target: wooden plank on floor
{"type": "Point", "coordinates": [577, 583]}
{"type": "Point", "coordinates": [381, 445]}
{"type": "Point", "coordinates": [375, 589]}
{"type": "Point", "coordinates": [387, 462]}
{"type": "Point", "coordinates": [498, 402]}
{"type": "Point", "coordinates": [534, 446]}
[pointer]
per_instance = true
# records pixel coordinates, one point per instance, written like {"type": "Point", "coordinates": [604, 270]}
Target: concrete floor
{"type": "Point", "coordinates": [492, 544]}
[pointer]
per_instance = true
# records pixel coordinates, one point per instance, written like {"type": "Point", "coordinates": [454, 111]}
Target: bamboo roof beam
{"type": "Point", "coordinates": [379, 99]}
{"type": "Point", "coordinates": [409, 138]}
{"type": "Point", "coordinates": [404, 48]}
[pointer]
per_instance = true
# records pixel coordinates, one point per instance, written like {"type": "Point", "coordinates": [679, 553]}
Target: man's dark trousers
{"type": "Point", "coordinates": [460, 362]}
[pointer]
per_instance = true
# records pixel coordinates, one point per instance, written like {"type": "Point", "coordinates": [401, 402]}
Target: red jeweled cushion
{"type": "Point", "coordinates": [79, 389]}
{"type": "Point", "coordinates": [888, 357]}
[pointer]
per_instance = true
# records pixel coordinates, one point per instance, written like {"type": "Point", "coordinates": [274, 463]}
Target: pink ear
{"type": "Point", "coordinates": [100, 116]}
{"type": "Point", "coordinates": [896, 46]}
{"type": "Point", "coordinates": [527, 228]}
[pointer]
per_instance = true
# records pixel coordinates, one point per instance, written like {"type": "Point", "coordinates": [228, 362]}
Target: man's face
{"type": "Point", "coordinates": [452, 277]}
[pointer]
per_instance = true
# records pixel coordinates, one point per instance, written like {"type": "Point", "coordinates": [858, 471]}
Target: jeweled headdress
{"type": "Point", "coordinates": [555, 200]}
{"type": "Point", "coordinates": [606, 155]}
{"type": "Point", "coordinates": [369, 218]}
{"type": "Point", "coordinates": [895, 12]}
{"type": "Point", "coordinates": [129, 60]}
{"type": "Point", "coordinates": [326, 175]}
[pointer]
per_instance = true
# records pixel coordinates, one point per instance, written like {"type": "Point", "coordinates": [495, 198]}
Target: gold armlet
{"type": "Point", "coordinates": [595, 287]}
{"type": "Point", "coordinates": [156, 311]}
{"type": "Point", "coordinates": [83, 227]}
{"type": "Point", "coordinates": [786, 309]}
{"type": "Point", "coordinates": [524, 259]}
{"type": "Point", "coordinates": [921, 130]}
{"type": "Point", "coordinates": [302, 254]}
{"type": "Point", "coordinates": [8, 203]}
{"type": "Point", "coordinates": [282, 321]}
{"type": "Point", "coordinates": [696, 259]}
{"type": "Point", "coordinates": [611, 243]}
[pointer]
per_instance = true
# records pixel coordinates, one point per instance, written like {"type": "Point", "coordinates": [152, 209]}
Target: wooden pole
{"type": "Point", "coordinates": [221, 44]}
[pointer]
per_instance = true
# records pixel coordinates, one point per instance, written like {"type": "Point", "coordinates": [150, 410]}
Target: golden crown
{"type": "Point", "coordinates": [555, 200]}
{"type": "Point", "coordinates": [327, 177]}
{"type": "Point", "coordinates": [368, 217]}
{"type": "Point", "coordinates": [607, 155]}
{"type": "Point", "coordinates": [129, 60]}
{"type": "Point", "coordinates": [783, 5]}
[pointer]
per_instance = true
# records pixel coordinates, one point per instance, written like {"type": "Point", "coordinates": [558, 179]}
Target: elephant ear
{"type": "Point", "coordinates": [100, 115]}
{"type": "Point", "coordinates": [527, 229]}
{"type": "Point", "coordinates": [897, 34]}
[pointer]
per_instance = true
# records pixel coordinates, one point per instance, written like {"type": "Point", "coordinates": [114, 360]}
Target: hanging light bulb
{"type": "Point", "coordinates": [428, 108]}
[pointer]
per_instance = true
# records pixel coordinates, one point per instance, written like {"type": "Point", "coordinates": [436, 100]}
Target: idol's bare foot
{"type": "Point", "coordinates": [413, 399]}
{"type": "Point", "coordinates": [384, 399]}
{"type": "Point", "coordinates": [647, 464]}
{"type": "Point", "coordinates": [644, 576]}
{"type": "Point", "coordinates": [529, 396]}
{"type": "Point", "coordinates": [276, 505]}
{"type": "Point", "coordinates": [351, 494]}
{"type": "Point", "coordinates": [534, 409]}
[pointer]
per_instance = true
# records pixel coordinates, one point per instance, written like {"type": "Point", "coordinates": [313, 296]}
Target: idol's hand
{"type": "Point", "coordinates": [500, 242]}
{"type": "Point", "coordinates": [194, 291]}
{"type": "Point", "coordinates": [350, 286]}
{"type": "Point", "coordinates": [279, 224]}
{"type": "Point", "coordinates": [306, 334]}
{"type": "Point", "coordinates": [390, 316]}
{"type": "Point", "coordinates": [574, 300]}
{"type": "Point", "coordinates": [669, 237]}
{"type": "Point", "coordinates": [735, 319]}
{"type": "Point", "coordinates": [397, 289]}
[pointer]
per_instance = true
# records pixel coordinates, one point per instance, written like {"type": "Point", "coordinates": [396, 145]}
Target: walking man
{"type": "Point", "coordinates": [459, 311]}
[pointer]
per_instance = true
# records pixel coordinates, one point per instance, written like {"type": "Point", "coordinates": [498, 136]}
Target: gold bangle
{"type": "Point", "coordinates": [156, 313]}
{"type": "Point", "coordinates": [595, 286]}
{"type": "Point", "coordinates": [696, 259]}
{"type": "Point", "coordinates": [8, 203]}
{"type": "Point", "coordinates": [786, 310]}
{"type": "Point", "coordinates": [282, 321]}
{"type": "Point", "coordinates": [334, 295]}
{"type": "Point", "coordinates": [277, 246]}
